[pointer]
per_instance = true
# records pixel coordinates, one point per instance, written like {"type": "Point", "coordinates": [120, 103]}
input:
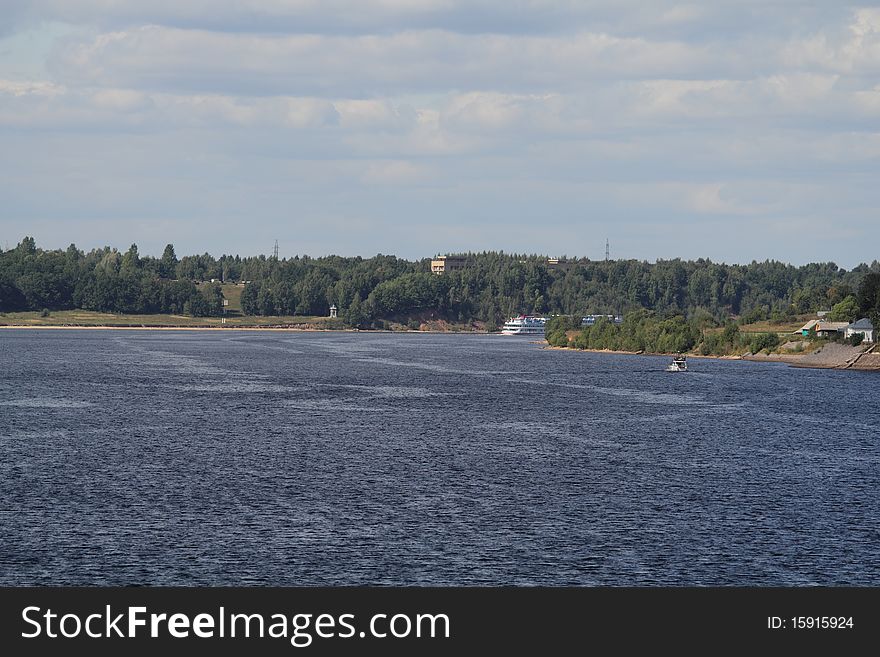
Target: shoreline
{"type": "Point", "coordinates": [864, 360]}
{"type": "Point", "coordinates": [147, 327]}
{"type": "Point", "coordinates": [644, 353]}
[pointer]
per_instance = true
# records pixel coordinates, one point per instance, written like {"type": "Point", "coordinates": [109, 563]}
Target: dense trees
{"type": "Point", "coordinates": [641, 330]}
{"type": "Point", "coordinates": [845, 311]}
{"type": "Point", "coordinates": [644, 330]}
{"type": "Point", "coordinates": [491, 287]}
{"type": "Point", "coordinates": [868, 297]}
{"type": "Point", "coordinates": [102, 280]}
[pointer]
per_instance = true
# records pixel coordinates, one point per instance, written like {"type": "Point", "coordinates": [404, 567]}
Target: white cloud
{"type": "Point", "coordinates": [490, 117]}
{"type": "Point", "coordinates": [121, 100]}
{"type": "Point", "coordinates": [30, 88]}
{"type": "Point", "coordinates": [853, 51]}
{"type": "Point", "coordinates": [171, 59]}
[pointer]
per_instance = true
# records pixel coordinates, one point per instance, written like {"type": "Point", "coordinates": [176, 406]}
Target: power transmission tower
{"type": "Point", "coordinates": [276, 249]}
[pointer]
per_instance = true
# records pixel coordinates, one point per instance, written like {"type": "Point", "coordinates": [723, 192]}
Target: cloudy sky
{"type": "Point", "coordinates": [734, 130]}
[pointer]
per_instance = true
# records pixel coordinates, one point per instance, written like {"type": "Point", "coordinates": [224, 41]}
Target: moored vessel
{"type": "Point", "coordinates": [524, 325]}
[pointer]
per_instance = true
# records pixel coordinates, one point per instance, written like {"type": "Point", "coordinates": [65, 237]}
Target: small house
{"type": "Point", "coordinates": [806, 328]}
{"type": "Point", "coordinates": [863, 326]}
{"type": "Point", "coordinates": [829, 329]}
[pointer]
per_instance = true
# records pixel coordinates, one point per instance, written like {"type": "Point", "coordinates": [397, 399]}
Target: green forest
{"type": "Point", "coordinates": [491, 287]}
{"type": "Point", "coordinates": [644, 331]}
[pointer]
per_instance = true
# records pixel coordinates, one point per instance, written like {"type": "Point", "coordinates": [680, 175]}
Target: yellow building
{"type": "Point", "coordinates": [443, 264]}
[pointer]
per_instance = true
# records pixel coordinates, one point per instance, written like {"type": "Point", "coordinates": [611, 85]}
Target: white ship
{"type": "Point", "coordinates": [524, 325]}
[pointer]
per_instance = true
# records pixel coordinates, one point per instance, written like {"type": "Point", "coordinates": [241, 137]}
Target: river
{"type": "Point", "coordinates": [281, 458]}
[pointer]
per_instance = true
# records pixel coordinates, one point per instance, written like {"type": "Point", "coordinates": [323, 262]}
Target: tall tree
{"type": "Point", "coordinates": [168, 262]}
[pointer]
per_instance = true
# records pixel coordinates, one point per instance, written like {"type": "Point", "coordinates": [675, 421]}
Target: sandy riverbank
{"type": "Point", "coordinates": [831, 356]}
{"type": "Point", "coordinates": [639, 353]}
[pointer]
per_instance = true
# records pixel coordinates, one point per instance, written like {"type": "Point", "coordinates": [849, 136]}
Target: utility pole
{"type": "Point", "coordinates": [276, 249]}
{"type": "Point", "coordinates": [607, 250]}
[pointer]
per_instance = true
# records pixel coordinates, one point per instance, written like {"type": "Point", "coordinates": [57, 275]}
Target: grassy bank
{"type": "Point", "coordinates": [234, 319]}
{"type": "Point", "coordinates": [96, 319]}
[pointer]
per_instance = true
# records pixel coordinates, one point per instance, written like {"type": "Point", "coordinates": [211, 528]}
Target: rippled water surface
{"type": "Point", "coordinates": [150, 457]}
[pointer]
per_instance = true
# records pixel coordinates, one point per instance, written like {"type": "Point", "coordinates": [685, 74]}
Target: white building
{"type": "Point", "coordinates": [862, 326]}
{"type": "Point", "coordinates": [589, 320]}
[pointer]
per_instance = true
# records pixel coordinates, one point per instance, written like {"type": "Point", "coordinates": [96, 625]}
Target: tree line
{"type": "Point", "coordinates": [102, 280]}
{"type": "Point", "coordinates": [650, 331]}
{"type": "Point", "coordinates": [645, 331]}
{"type": "Point", "coordinates": [491, 287]}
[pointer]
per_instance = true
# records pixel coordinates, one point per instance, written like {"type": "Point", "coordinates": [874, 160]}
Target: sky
{"type": "Point", "coordinates": [736, 130]}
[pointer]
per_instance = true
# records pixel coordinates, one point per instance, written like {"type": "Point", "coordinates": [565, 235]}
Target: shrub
{"type": "Point", "coordinates": [731, 333]}
{"type": "Point", "coordinates": [756, 314]}
{"type": "Point", "coordinates": [45, 312]}
{"type": "Point", "coordinates": [557, 338]}
{"type": "Point", "coordinates": [856, 339]}
{"type": "Point", "coordinates": [582, 339]}
{"type": "Point", "coordinates": [711, 344]}
{"type": "Point", "coordinates": [845, 311]}
{"type": "Point", "coordinates": [763, 341]}
{"type": "Point", "coordinates": [780, 317]}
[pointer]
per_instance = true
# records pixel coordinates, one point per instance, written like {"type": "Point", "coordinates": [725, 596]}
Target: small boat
{"type": "Point", "coordinates": [678, 364]}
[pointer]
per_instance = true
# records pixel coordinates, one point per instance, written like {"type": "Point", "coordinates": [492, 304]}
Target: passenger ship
{"type": "Point", "coordinates": [524, 325]}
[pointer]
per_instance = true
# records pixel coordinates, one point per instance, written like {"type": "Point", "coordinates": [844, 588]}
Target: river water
{"type": "Point", "coordinates": [239, 458]}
